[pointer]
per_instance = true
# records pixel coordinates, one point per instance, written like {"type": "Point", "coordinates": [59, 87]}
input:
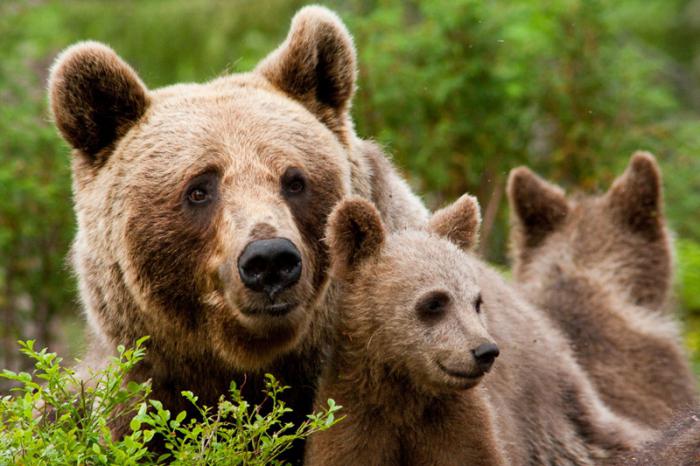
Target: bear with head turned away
{"type": "Point", "coordinates": [600, 267]}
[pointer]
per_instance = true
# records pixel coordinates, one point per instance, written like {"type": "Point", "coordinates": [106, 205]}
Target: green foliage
{"type": "Point", "coordinates": [463, 91]}
{"type": "Point", "coordinates": [688, 256]}
{"type": "Point", "coordinates": [55, 418]}
{"type": "Point", "coordinates": [233, 434]}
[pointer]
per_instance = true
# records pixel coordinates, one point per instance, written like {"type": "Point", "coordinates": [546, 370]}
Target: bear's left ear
{"type": "Point", "coordinates": [537, 207]}
{"type": "Point", "coordinates": [635, 199]}
{"type": "Point", "coordinates": [354, 233]}
{"type": "Point", "coordinates": [95, 98]}
{"type": "Point", "coordinates": [459, 222]}
{"type": "Point", "coordinates": [316, 65]}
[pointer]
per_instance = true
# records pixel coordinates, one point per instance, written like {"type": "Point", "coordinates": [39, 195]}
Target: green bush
{"type": "Point", "coordinates": [54, 418]}
{"type": "Point", "coordinates": [688, 254]}
{"type": "Point", "coordinates": [688, 283]}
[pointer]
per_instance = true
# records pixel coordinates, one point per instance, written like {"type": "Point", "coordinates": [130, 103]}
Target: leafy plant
{"type": "Point", "coordinates": [55, 418]}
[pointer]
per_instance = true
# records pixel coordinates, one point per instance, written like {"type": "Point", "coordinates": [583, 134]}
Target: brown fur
{"type": "Point", "coordinates": [602, 270]}
{"type": "Point", "coordinates": [149, 263]}
{"type": "Point", "coordinates": [678, 445]}
{"type": "Point", "coordinates": [388, 365]}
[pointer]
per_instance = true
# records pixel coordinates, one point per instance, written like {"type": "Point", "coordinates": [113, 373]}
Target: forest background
{"type": "Point", "coordinates": [459, 91]}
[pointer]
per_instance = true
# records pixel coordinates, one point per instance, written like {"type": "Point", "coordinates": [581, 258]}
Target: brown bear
{"type": "Point", "coordinates": [201, 208]}
{"type": "Point", "coordinates": [601, 268]}
{"type": "Point", "coordinates": [420, 322]}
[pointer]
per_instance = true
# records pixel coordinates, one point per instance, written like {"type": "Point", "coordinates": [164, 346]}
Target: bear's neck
{"type": "Point", "coordinates": [418, 426]}
{"type": "Point", "coordinates": [359, 379]}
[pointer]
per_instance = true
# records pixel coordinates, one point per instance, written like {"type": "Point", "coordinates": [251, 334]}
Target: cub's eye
{"type": "Point", "coordinates": [295, 186]}
{"type": "Point", "coordinates": [433, 304]}
{"type": "Point", "coordinates": [293, 182]}
{"type": "Point", "coordinates": [198, 196]}
{"type": "Point", "coordinates": [477, 303]}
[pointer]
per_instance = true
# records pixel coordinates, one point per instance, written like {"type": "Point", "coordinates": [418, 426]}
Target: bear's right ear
{"type": "Point", "coordinates": [635, 199]}
{"type": "Point", "coordinates": [459, 222]}
{"type": "Point", "coordinates": [354, 233]}
{"type": "Point", "coordinates": [316, 65]}
{"type": "Point", "coordinates": [95, 97]}
{"type": "Point", "coordinates": [537, 207]}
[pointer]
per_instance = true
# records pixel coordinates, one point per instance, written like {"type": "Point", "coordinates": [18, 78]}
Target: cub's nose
{"type": "Point", "coordinates": [485, 354]}
{"type": "Point", "coordinates": [270, 265]}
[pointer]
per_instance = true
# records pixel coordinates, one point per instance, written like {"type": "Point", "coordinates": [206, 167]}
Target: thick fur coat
{"type": "Point", "coordinates": [171, 184]}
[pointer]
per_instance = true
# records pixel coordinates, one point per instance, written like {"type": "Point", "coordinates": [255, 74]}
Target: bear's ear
{"type": "Point", "coordinates": [459, 222]}
{"type": "Point", "coordinates": [537, 207]}
{"type": "Point", "coordinates": [95, 97]}
{"type": "Point", "coordinates": [635, 199]}
{"type": "Point", "coordinates": [354, 233]}
{"type": "Point", "coordinates": [316, 65]}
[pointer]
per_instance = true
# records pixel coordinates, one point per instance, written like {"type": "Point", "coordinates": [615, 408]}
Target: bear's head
{"type": "Point", "coordinates": [620, 238]}
{"type": "Point", "coordinates": [201, 207]}
{"type": "Point", "coordinates": [410, 299]}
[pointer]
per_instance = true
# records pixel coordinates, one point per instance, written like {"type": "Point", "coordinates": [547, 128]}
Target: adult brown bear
{"type": "Point", "coordinates": [201, 208]}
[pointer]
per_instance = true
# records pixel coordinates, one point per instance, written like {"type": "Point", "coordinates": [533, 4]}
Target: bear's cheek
{"type": "Point", "coordinates": [166, 253]}
{"type": "Point", "coordinates": [310, 213]}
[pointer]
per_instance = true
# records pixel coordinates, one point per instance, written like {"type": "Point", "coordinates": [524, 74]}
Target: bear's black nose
{"type": "Point", "coordinates": [485, 354]}
{"type": "Point", "coordinates": [270, 266]}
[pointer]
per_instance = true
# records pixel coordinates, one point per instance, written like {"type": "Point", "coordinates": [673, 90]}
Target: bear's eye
{"type": "Point", "coordinates": [201, 190]}
{"type": "Point", "coordinates": [198, 196]}
{"type": "Point", "coordinates": [477, 303]}
{"type": "Point", "coordinates": [293, 182]}
{"type": "Point", "coordinates": [433, 304]}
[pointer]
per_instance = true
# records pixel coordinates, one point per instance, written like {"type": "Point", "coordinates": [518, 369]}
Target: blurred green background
{"type": "Point", "coordinates": [460, 91]}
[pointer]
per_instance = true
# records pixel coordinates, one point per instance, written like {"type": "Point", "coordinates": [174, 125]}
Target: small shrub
{"type": "Point", "coordinates": [54, 418]}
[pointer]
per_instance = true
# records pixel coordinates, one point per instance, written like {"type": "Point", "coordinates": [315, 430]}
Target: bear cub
{"type": "Point", "coordinates": [408, 371]}
{"type": "Point", "coordinates": [600, 267]}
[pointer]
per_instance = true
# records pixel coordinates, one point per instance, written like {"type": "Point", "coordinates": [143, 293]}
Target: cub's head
{"type": "Point", "coordinates": [201, 207]}
{"type": "Point", "coordinates": [619, 237]}
{"type": "Point", "coordinates": [411, 300]}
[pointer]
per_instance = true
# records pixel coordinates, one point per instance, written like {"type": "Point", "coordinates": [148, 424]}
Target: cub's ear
{"type": "Point", "coordinates": [459, 222]}
{"type": "Point", "coordinates": [635, 199]}
{"type": "Point", "coordinates": [95, 97]}
{"type": "Point", "coordinates": [354, 233]}
{"type": "Point", "coordinates": [316, 65]}
{"type": "Point", "coordinates": [537, 207]}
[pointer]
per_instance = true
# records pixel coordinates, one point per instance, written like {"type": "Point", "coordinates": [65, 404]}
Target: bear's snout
{"type": "Point", "coordinates": [485, 354]}
{"type": "Point", "coordinates": [270, 266]}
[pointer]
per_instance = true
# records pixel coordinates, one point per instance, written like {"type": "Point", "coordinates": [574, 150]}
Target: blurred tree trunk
{"type": "Point", "coordinates": [490, 214]}
{"type": "Point", "coordinates": [8, 330]}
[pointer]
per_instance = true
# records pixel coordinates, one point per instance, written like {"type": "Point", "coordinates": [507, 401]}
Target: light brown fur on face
{"type": "Point", "coordinates": [152, 262]}
{"type": "Point", "coordinates": [406, 375]}
{"type": "Point", "coordinates": [601, 268]}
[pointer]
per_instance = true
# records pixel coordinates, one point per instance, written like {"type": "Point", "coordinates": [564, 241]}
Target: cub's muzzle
{"type": "Point", "coordinates": [485, 354]}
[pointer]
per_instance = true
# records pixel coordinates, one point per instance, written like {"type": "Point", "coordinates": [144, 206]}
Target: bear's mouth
{"type": "Point", "coordinates": [466, 379]}
{"type": "Point", "coordinates": [272, 310]}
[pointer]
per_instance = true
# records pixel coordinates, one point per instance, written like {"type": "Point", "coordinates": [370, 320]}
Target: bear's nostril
{"type": "Point", "coordinates": [270, 266]}
{"type": "Point", "coordinates": [255, 266]}
{"type": "Point", "coordinates": [485, 354]}
{"type": "Point", "coordinates": [289, 262]}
